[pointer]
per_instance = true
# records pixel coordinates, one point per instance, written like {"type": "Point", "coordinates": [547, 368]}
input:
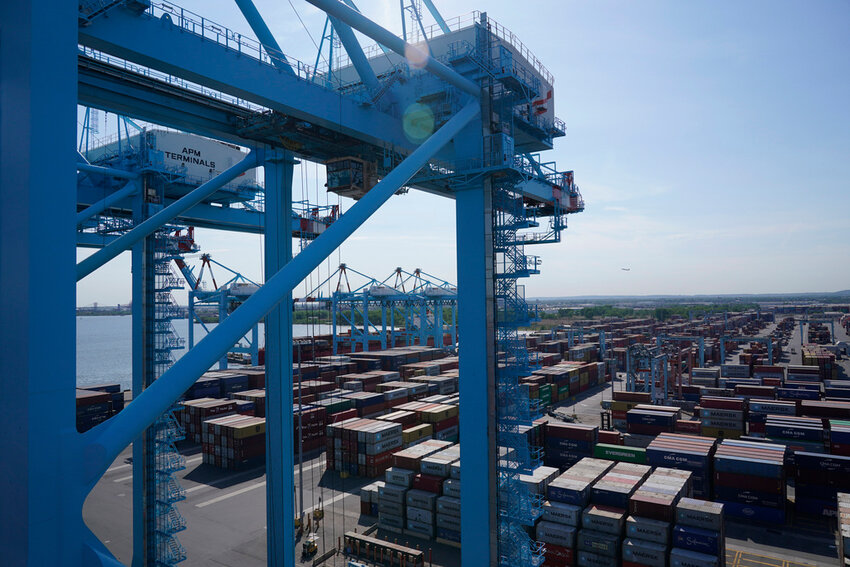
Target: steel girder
{"type": "Point", "coordinates": [167, 47]}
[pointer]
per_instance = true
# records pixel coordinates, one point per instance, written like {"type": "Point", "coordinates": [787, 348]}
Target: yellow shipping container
{"type": "Point", "coordinates": [249, 428]}
{"type": "Point", "coordinates": [721, 432]}
{"type": "Point", "coordinates": [416, 433]}
{"type": "Point", "coordinates": [438, 413]}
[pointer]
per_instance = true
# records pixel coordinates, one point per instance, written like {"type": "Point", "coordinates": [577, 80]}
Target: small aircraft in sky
{"type": "Point", "coordinates": [626, 269]}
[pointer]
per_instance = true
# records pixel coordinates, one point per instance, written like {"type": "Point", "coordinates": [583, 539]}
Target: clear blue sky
{"type": "Point", "coordinates": [711, 141]}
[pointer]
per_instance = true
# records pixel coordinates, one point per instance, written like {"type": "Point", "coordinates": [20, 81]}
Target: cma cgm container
{"type": "Point", "coordinates": [567, 444]}
{"type": "Point", "coordinates": [685, 452]}
{"type": "Point", "coordinates": [818, 480]}
{"type": "Point", "coordinates": [749, 478]}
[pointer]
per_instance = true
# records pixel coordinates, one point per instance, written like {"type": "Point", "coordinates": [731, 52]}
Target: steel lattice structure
{"type": "Point", "coordinates": [460, 109]}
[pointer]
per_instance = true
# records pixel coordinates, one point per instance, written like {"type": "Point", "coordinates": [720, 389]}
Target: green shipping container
{"type": "Point", "coordinates": [620, 453]}
{"type": "Point", "coordinates": [338, 406]}
{"type": "Point", "coordinates": [564, 391]}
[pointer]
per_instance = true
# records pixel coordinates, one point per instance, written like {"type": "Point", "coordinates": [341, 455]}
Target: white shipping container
{"type": "Point", "coordinates": [420, 515]}
{"type": "Point", "coordinates": [645, 552]}
{"type": "Point", "coordinates": [685, 558]}
{"type": "Point", "coordinates": [647, 529]}
{"type": "Point", "coordinates": [556, 534]}
{"type": "Point", "coordinates": [200, 158]}
{"type": "Point", "coordinates": [561, 513]}
{"type": "Point", "coordinates": [451, 487]}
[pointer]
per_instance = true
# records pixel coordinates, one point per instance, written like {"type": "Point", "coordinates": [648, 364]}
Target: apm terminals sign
{"type": "Point", "coordinates": [199, 158]}
{"type": "Point", "coordinates": [190, 155]}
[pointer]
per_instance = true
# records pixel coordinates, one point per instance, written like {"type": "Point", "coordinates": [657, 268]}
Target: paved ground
{"type": "Point", "coordinates": [225, 511]}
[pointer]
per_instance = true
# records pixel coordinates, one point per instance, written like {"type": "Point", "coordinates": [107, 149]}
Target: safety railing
{"type": "Point", "coordinates": [224, 36]}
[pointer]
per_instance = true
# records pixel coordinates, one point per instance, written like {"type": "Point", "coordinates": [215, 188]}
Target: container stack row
{"type": "Point", "coordinates": [234, 441]}
{"type": "Point", "coordinates": [362, 447]}
{"type": "Point", "coordinates": [603, 514]}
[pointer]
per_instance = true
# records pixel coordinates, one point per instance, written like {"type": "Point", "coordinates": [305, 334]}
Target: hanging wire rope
{"type": "Point", "coordinates": [316, 45]}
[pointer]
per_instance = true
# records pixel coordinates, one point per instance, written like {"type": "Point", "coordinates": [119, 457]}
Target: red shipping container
{"type": "Point", "coordinates": [446, 423]}
{"type": "Point", "coordinates": [749, 482]}
{"type": "Point", "coordinates": [573, 431]}
{"type": "Point", "coordinates": [558, 556]}
{"type": "Point", "coordinates": [342, 416]}
{"type": "Point", "coordinates": [840, 449]}
{"type": "Point", "coordinates": [428, 482]}
{"type": "Point", "coordinates": [686, 426]}
{"type": "Point", "coordinates": [721, 403]}
{"type": "Point", "coordinates": [642, 397]}
{"type": "Point", "coordinates": [611, 437]}
{"type": "Point", "coordinates": [654, 506]}
{"type": "Point", "coordinates": [757, 427]}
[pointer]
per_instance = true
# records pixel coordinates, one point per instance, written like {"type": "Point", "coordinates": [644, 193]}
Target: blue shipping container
{"type": "Point", "coordinates": [754, 513]}
{"type": "Point", "coordinates": [697, 539]}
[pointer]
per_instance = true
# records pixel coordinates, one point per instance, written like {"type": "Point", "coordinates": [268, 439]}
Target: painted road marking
{"type": "Point", "coordinates": [236, 475]}
{"type": "Point", "coordinates": [244, 490]}
{"type": "Point", "coordinates": [231, 494]}
{"type": "Point", "coordinates": [747, 559]}
{"type": "Point", "coordinates": [123, 478]}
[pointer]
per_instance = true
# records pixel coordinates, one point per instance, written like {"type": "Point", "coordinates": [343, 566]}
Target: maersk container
{"type": "Point", "coordinates": [645, 553]}
{"type": "Point", "coordinates": [557, 534]}
{"type": "Point", "coordinates": [604, 519]}
{"type": "Point", "coordinates": [420, 528]}
{"type": "Point", "coordinates": [561, 513]}
{"type": "Point", "coordinates": [448, 521]}
{"type": "Point", "coordinates": [448, 534]}
{"type": "Point", "coordinates": [775, 408]}
{"type": "Point", "coordinates": [646, 529]}
{"type": "Point", "coordinates": [687, 558]}
{"type": "Point", "coordinates": [700, 514]}
{"type": "Point", "coordinates": [599, 543]}
{"type": "Point", "coordinates": [392, 508]}
{"type": "Point", "coordinates": [590, 559]}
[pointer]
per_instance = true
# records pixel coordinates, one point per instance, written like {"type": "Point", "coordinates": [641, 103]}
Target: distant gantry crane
{"type": "Point", "coordinates": [459, 108]}
{"type": "Point", "coordinates": [416, 308]}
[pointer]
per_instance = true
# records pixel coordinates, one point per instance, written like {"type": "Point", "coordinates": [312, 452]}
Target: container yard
{"type": "Point", "coordinates": [707, 479]}
{"type": "Point", "coordinates": [214, 194]}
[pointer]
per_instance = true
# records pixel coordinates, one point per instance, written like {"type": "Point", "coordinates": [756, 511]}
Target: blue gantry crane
{"type": "Point", "coordinates": [412, 304]}
{"type": "Point", "coordinates": [460, 109]}
{"type": "Point", "coordinates": [767, 341]}
{"type": "Point", "coordinates": [649, 366]}
{"type": "Point", "coordinates": [686, 339]}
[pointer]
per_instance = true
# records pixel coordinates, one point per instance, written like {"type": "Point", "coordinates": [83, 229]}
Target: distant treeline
{"type": "Point", "coordinates": [659, 313]}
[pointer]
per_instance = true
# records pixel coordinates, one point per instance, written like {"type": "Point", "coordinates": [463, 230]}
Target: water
{"type": "Point", "coordinates": [104, 346]}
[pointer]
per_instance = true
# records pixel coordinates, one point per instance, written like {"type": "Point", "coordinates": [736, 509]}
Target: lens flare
{"type": "Point", "coordinates": [418, 122]}
{"type": "Point", "coordinates": [416, 58]}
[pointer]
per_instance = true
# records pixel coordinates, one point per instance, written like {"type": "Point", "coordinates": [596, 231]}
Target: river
{"type": "Point", "coordinates": [104, 346]}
